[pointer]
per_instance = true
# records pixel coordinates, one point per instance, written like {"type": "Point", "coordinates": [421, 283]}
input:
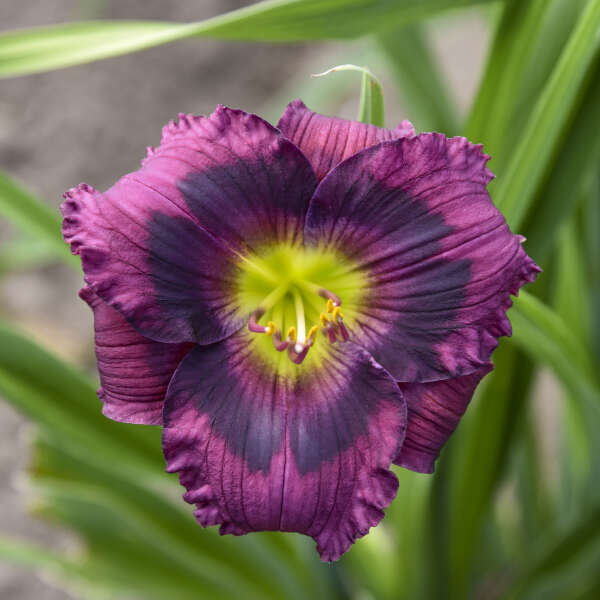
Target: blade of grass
{"type": "Point", "coordinates": [574, 174]}
{"type": "Point", "coordinates": [63, 402]}
{"type": "Point", "coordinates": [25, 253]}
{"type": "Point", "coordinates": [541, 332]}
{"type": "Point", "coordinates": [53, 47]}
{"type": "Point", "coordinates": [516, 35]}
{"type": "Point", "coordinates": [371, 94]}
{"type": "Point", "coordinates": [560, 98]}
{"type": "Point", "coordinates": [471, 469]}
{"type": "Point", "coordinates": [558, 553]}
{"type": "Point", "coordinates": [34, 217]}
{"type": "Point", "coordinates": [411, 61]}
{"type": "Point", "coordinates": [251, 565]}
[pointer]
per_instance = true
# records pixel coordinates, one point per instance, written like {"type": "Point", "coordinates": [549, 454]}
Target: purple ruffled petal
{"type": "Point", "coordinates": [308, 453]}
{"type": "Point", "coordinates": [243, 181]}
{"type": "Point", "coordinates": [327, 141]}
{"type": "Point", "coordinates": [162, 245]}
{"type": "Point", "coordinates": [414, 215]}
{"type": "Point", "coordinates": [134, 371]}
{"type": "Point", "coordinates": [434, 410]}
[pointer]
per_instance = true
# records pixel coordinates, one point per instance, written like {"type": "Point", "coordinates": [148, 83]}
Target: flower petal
{"type": "Point", "coordinates": [415, 216]}
{"type": "Point", "coordinates": [161, 246]}
{"type": "Point", "coordinates": [434, 410]}
{"type": "Point", "coordinates": [306, 452]}
{"type": "Point", "coordinates": [134, 371]}
{"type": "Point", "coordinates": [327, 141]}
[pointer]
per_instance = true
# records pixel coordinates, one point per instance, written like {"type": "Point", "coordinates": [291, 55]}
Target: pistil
{"type": "Point", "coordinates": [300, 322]}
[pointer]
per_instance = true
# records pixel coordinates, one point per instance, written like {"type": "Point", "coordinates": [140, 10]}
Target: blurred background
{"type": "Point", "coordinates": [513, 510]}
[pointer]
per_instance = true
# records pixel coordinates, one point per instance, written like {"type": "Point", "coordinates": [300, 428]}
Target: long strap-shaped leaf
{"type": "Point", "coordinates": [35, 218]}
{"type": "Point", "coordinates": [47, 48]}
{"type": "Point", "coordinates": [561, 96]}
{"type": "Point", "coordinates": [476, 463]}
{"type": "Point", "coordinates": [63, 401]}
{"type": "Point", "coordinates": [515, 35]}
{"type": "Point", "coordinates": [541, 332]}
{"type": "Point", "coordinates": [420, 81]}
{"type": "Point", "coordinates": [563, 548]}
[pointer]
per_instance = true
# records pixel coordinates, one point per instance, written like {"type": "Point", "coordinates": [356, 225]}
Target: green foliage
{"type": "Point", "coordinates": [45, 48]}
{"type": "Point", "coordinates": [501, 517]}
{"type": "Point", "coordinates": [33, 217]}
{"type": "Point", "coordinates": [371, 94]}
{"type": "Point", "coordinates": [421, 83]}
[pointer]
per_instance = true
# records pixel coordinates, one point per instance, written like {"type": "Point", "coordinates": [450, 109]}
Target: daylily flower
{"type": "Point", "coordinates": [299, 308]}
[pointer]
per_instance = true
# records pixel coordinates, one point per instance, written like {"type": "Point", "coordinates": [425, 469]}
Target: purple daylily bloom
{"type": "Point", "coordinates": [299, 308]}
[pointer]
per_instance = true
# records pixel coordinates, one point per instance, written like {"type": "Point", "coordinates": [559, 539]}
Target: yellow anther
{"type": "Point", "coordinates": [324, 319]}
{"type": "Point", "coordinates": [291, 334]}
{"type": "Point", "coordinates": [270, 328]}
{"type": "Point", "coordinates": [337, 314]}
{"type": "Point", "coordinates": [330, 305]}
{"type": "Point", "coordinates": [312, 334]}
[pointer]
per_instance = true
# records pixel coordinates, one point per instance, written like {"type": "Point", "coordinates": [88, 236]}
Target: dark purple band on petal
{"type": "Point", "coordinates": [261, 451]}
{"type": "Point", "coordinates": [327, 141]}
{"type": "Point", "coordinates": [162, 245]}
{"type": "Point", "coordinates": [434, 411]}
{"type": "Point", "coordinates": [134, 371]}
{"type": "Point", "coordinates": [247, 184]}
{"type": "Point", "coordinates": [415, 216]}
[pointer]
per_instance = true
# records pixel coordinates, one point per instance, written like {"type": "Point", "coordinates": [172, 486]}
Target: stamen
{"type": "Point", "coordinates": [329, 328]}
{"type": "Point", "coordinates": [312, 335]}
{"type": "Point", "coordinates": [343, 331]}
{"type": "Point", "coordinates": [324, 293]}
{"type": "Point", "coordinates": [253, 322]}
{"type": "Point", "coordinates": [297, 341]}
{"type": "Point", "coordinates": [280, 345]}
{"type": "Point", "coordinates": [329, 296]}
{"type": "Point", "coordinates": [338, 319]}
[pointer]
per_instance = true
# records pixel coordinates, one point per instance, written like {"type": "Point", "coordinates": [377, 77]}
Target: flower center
{"type": "Point", "coordinates": [295, 293]}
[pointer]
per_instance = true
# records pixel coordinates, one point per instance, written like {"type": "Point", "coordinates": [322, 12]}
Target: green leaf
{"type": "Point", "coordinates": [25, 253]}
{"type": "Point", "coordinates": [53, 47]}
{"type": "Point", "coordinates": [559, 552]}
{"type": "Point", "coordinates": [556, 24]}
{"type": "Point", "coordinates": [515, 36]}
{"type": "Point", "coordinates": [420, 82]}
{"type": "Point", "coordinates": [92, 464]}
{"type": "Point", "coordinates": [553, 112]}
{"type": "Point", "coordinates": [163, 528]}
{"type": "Point", "coordinates": [371, 94]}
{"type": "Point", "coordinates": [34, 217]}
{"type": "Point", "coordinates": [575, 173]}
{"type": "Point", "coordinates": [541, 332]}
{"type": "Point", "coordinates": [572, 301]}
{"type": "Point", "coordinates": [324, 95]}
{"type": "Point", "coordinates": [471, 468]}
{"type": "Point", "coordinates": [63, 402]}
{"type": "Point", "coordinates": [373, 562]}
{"type": "Point", "coordinates": [24, 553]}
